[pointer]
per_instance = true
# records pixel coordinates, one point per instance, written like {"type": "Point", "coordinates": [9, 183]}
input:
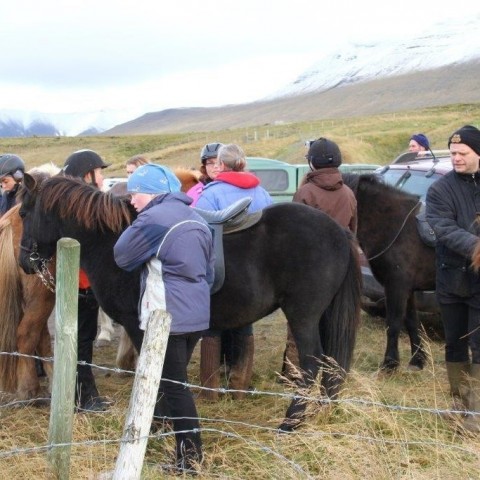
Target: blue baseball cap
{"type": "Point", "coordinates": [152, 178]}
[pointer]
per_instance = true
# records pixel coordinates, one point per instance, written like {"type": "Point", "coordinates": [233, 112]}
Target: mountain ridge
{"type": "Point", "coordinates": [428, 88]}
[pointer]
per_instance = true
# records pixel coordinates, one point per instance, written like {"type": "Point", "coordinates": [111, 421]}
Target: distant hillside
{"type": "Point", "coordinates": [456, 83]}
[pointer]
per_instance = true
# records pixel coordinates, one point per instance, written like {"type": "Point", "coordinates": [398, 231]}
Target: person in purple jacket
{"type": "Point", "coordinates": [174, 247]}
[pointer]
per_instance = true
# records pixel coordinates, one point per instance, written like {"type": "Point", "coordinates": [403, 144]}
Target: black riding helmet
{"type": "Point", "coordinates": [11, 164]}
{"type": "Point", "coordinates": [210, 150]}
{"type": "Point", "coordinates": [79, 163]}
{"type": "Point", "coordinates": [323, 153]}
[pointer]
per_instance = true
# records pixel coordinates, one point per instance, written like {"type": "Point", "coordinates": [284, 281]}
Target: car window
{"type": "Point", "coordinates": [275, 180]}
{"type": "Point", "coordinates": [412, 181]}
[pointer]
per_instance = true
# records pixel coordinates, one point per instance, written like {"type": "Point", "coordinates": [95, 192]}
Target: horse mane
{"type": "Point", "coordinates": [92, 208]}
{"type": "Point", "coordinates": [374, 183]}
{"type": "Point", "coordinates": [45, 170]}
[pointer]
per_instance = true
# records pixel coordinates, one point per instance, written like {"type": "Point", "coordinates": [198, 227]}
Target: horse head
{"type": "Point", "coordinates": [40, 235]}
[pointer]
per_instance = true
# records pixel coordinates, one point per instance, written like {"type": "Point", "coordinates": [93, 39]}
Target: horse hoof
{"type": "Point", "coordinates": [102, 342]}
{"type": "Point", "coordinates": [95, 405]}
{"type": "Point", "coordinates": [414, 368]}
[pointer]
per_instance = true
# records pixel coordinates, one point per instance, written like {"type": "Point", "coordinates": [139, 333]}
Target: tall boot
{"type": "Point", "coordinates": [242, 370]}
{"type": "Point", "coordinates": [472, 422]}
{"type": "Point", "coordinates": [458, 373]}
{"type": "Point", "coordinates": [210, 349]}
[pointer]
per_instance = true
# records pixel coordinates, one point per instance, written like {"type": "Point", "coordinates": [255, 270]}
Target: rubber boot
{"type": "Point", "coordinates": [242, 370]}
{"type": "Point", "coordinates": [458, 373]}
{"type": "Point", "coordinates": [472, 422]}
{"type": "Point", "coordinates": [210, 349]}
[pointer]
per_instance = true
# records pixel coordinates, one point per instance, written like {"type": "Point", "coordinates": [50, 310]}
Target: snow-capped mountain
{"type": "Point", "coordinates": [442, 45]}
{"type": "Point", "coordinates": [16, 123]}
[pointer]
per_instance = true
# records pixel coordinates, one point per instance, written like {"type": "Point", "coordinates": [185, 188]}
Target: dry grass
{"type": "Point", "coordinates": [382, 427]}
{"type": "Point", "coordinates": [374, 139]}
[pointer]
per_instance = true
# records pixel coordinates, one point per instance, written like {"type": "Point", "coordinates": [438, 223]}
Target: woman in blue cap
{"type": "Point", "coordinates": [174, 247]}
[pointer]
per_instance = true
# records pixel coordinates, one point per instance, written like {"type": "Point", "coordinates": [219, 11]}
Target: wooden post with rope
{"type": "Point", "coordinates": [144, 395]}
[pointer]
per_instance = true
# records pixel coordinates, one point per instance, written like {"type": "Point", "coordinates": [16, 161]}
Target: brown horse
{"type": "Point", "coordinates": [25, 306]}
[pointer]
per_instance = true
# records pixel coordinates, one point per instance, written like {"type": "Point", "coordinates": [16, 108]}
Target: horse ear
{"type": "Point", "coordinates": [29, 182]}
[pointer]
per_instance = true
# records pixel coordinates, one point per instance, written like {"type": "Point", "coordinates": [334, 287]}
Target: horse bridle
{"type": "Point", "coordinates": [402, 226]}
{"type": "Point", "coordinates": [40, 266]}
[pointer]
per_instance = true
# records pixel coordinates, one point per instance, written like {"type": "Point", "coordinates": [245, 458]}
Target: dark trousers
{"type": "Point", "coordinates": [179, 398]}
{"type": "Point", "coordinates": [87, 331]}
{"type": "Point", "coordinates": [462, 331]}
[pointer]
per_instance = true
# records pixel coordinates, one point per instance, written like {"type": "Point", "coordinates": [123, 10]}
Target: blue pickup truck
{"type": "Point", "coordinates": [281, 179]}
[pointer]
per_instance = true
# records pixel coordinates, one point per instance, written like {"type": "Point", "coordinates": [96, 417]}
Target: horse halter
{"type": "Point", "coordinates": [40, 266]}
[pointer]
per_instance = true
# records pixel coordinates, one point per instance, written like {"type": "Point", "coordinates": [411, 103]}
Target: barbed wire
{"type": "Point", "coordinates": [367, 403]}
{"type": "Point", "coordinates": [285, 395]}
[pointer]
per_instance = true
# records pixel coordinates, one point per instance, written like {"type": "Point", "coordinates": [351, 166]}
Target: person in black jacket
{"type": "Point", "coordinates": [453, 203]}
{"type": "Point", "coordinates": [12, 168]}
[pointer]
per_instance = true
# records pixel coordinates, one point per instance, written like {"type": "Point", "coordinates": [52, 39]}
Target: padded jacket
{"type": "Point", "coordinates": [452, 204]}
{"type": "Point", "coordinates": [173, 243]}
{"type": "Point", "coordinates": [228, 187]}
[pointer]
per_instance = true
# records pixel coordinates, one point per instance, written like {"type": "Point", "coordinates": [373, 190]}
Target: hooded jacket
{"type": "Point", "coordinates": [174, 245]}
{"type": "Point", "coordinates": [324, 189]}
{"type": "Point", "coordinates": [228, 187]}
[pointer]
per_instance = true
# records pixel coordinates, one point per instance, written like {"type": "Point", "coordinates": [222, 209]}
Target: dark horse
{"type": "Point", "coordinates": [295, 258]}
{"type": "Point", "coordinates": [400, 261]}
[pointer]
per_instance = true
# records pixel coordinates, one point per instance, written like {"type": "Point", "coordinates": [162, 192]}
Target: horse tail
{"type": "Point", "coordinates": [11, 307]}
{"type": "Point", "coordinates": [339, 331]}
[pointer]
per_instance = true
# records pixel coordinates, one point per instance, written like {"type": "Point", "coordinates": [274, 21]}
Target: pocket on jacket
{"type": "Point", "coordinates": [453, 279]}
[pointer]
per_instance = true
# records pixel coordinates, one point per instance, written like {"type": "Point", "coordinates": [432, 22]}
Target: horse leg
{"type": "Point", "coordinates": [307, 339]}
{"type": "Point", "coordinates": [126, 353]}
{"type": "Point", "coordinates": [396, 301]}
{"type": "Point", "coordinates": [31, 331]}
{"type": "Point", "coordinates": [45, 350]}
{"type": "Point", "coordinates": [106, 329]}
{"type": "Point", "coordinates": [417, 362]}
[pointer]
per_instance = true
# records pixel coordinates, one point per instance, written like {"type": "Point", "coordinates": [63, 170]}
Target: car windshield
{"type": "Point", "coordinates": [412, 181]}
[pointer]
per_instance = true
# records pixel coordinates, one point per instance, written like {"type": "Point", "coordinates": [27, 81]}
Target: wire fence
{"type": "Point", "coordinates": [226, 422]}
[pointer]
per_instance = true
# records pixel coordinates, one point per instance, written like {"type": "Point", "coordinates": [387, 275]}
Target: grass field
{"type": "Point", "coordinates": [382, 427]}
{"type": "Point", "coordinates": [375, 139]}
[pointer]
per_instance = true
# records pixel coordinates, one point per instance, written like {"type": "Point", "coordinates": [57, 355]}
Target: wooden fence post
{"type": "Point", "coordinates": [144, 395]}
{"type": "Point", "coordinates": [65, 350]}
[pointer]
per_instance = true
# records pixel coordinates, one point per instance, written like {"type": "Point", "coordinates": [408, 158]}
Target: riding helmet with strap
{"type": "Point", "coordinates": [13, 165]}
{"type": "Point", "coordinates": [81, 162]}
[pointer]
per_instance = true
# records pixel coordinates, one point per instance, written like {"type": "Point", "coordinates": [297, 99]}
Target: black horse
{"type": "Point", "coordinates": [295, 258]}
{"type": "Point", "coordinates": [399, 259]}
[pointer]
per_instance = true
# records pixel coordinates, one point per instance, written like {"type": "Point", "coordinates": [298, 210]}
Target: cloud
{"type": "Point", "coordinates": [87, 54]}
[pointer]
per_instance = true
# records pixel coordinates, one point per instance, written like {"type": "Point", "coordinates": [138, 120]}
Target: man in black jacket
{"type": "Point", "coordinates": [453, 203]}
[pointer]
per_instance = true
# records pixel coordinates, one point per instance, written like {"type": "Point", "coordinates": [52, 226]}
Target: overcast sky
{"type": "Point", "coordinates": [147, 55]}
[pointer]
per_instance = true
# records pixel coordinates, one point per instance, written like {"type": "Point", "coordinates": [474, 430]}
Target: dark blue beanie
{"type": "Point", "coordinates": [421, 139]}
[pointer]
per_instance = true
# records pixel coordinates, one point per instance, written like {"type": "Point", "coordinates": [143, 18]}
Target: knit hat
{"type": "Point", "coordinates": [421, 139]}
{"type": "Point", "coordinates": [152, 178]}
{"type": "Point", "coordinates": [324, 153]}
{"type": "Point", "coordinates": [467, 135]}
